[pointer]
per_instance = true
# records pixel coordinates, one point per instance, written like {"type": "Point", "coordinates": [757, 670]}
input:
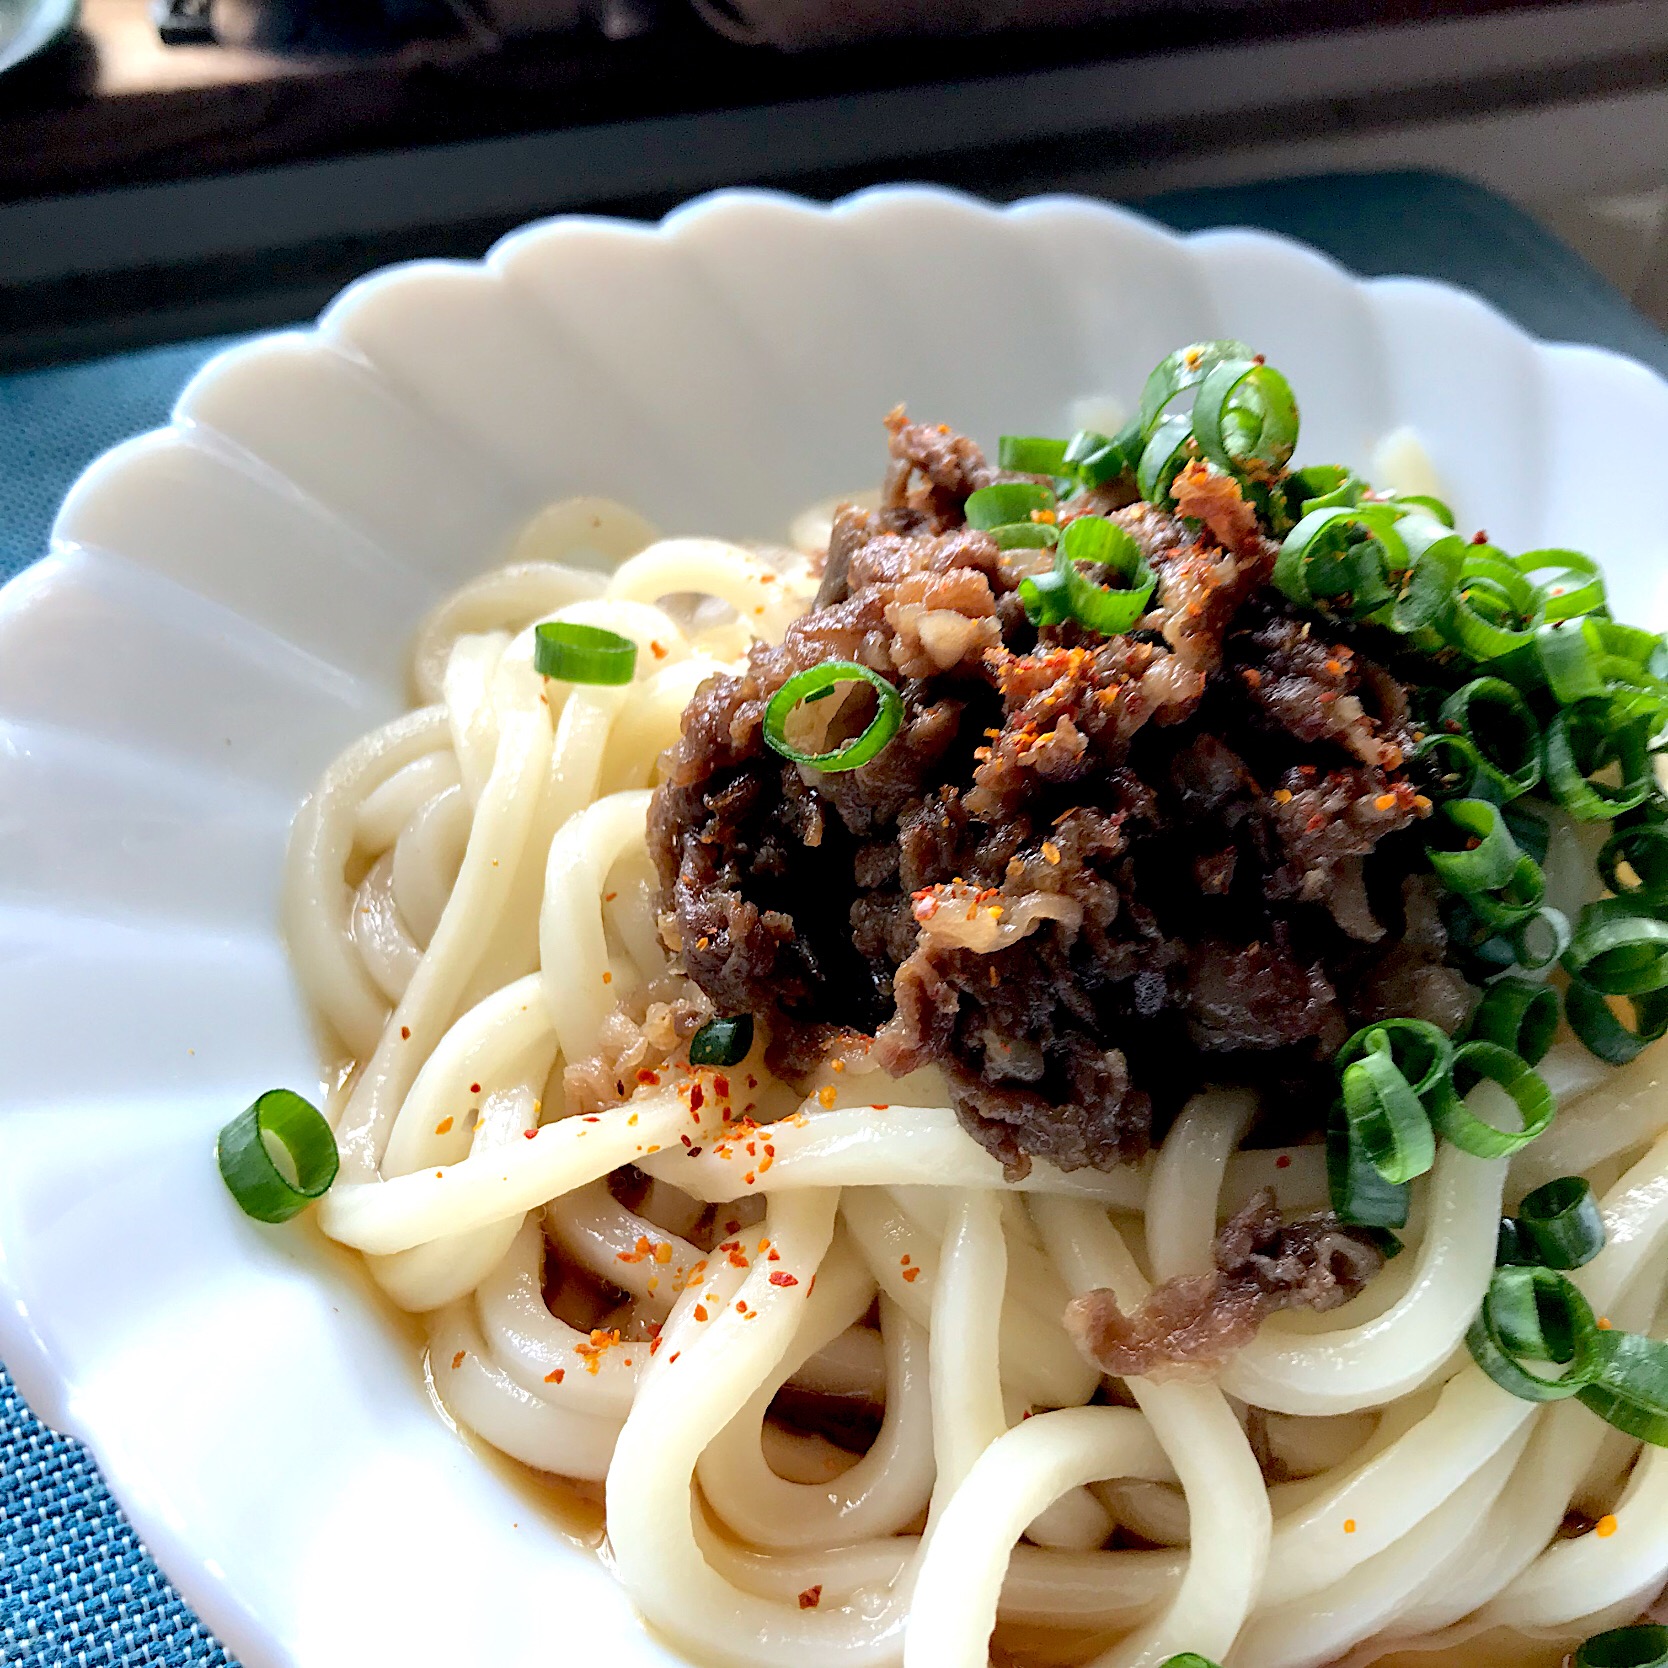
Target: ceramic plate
{"type": "Point", "coordinates": [228, 602]}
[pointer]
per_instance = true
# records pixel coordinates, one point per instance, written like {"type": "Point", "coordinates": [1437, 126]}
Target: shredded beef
{"type": "Point", "coordinates": [1263, 1265]}
{"type": "Point", "coordinates": [1089, 874]}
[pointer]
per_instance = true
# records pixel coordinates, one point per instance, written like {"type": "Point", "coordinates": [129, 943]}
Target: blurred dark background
{"type": "Point", "coordinates": [170, 168]}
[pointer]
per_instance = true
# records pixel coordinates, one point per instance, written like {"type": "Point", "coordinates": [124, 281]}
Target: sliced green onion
{"type": "Point", "coordinates": [1534, 1314]}
{"type": "Point", "coordinates": [1456, 766]}
{"type": "Point", "coordinates": [582, 653]}
{"type": "Point", "coordinates": [1030, 455]}
{"type": "Point", "coordinates": [1162, 459]}
{"type": "Point", "coordinates": [722, 1042]}
{"type": "Point", "coordinates": [1540, 939]}
{"type": "Point", "coordinates": [1498, 723]}
{"type": "Point", "coordinates": [1186, 368]}
{"type": "Point", "coordinates": [1095, 459]}
{"type": "Point", "coordinates": [1594, 1020]}
{"type": "Point", "coordinates": [1567, 661]}
{"type": "Point", "coordinates": [1360, 1195]}
{"type": "Point", "coordinates": [1632, 1388]}
{"type": "Point", "coordinates": [1618, 951]}
{"type": "Point", "coordinates": [1644, 849]}
{"type": "Point", "coordinates": [279, 1117]}
{"type": "Point", "coordinates": [1343, 559]}
{"type": "Point", "coordinates": [1491, 607]}
{"type": "Point", "coordinates": [1642, 1646]}
{"type": "Point", "coordinates": [1519, 1016]}
{"type": "Point", "coordinates": [1529, 829]}
{"type": "Point", "coordinates": [1026, 535]}
{"type": "Point", "coordinates": [1567, 583]}
{"type": "Point", "coordinates": [1426, 505]}
{"type": "Point", "coordinates": [888, 715]}
{"type": "Point", "coordinates": [1387, 1069]}
{"type": "Point", "coordinates": [1245, 418]}
{"type": "Point", "coordinates": [1474, 1061]}
{"type": "Point", "coordinates": [1187, 1659]}
{"type": "Point", "coordinates": [1069, 594]}
{"type": "Point", "coordinates": [1582, 741]}
{"type": "Point", "coordinates": [1323, 486]}
{"type": "Point", "coordinates": [1435, 557]}
{"type": "Point", "coordinates": [1502, 884]}
{"type": "Point", "coordinates": [1007, 502]}
{"type": "Point", "coordinates": [1559, 1224]}
{"type": "Point", "coordinates": [1508, 1247]}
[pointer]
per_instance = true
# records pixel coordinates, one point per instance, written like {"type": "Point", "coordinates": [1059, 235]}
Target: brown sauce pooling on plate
{"type": "Point", "coordinates": [1088, 874]}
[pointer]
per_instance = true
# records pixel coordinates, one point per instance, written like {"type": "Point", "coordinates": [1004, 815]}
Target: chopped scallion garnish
{"type": "Point", "coordinates": [582, 653]}
{"type": "Point", "coordinates": [802, 686]}
{"type": "Point", "coordinates": [247, 1165]}
{"type": "Point", "coordinates": [722, 1042]}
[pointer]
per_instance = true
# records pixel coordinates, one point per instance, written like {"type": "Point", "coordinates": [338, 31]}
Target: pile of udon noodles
{"type": "Point", "coordinates": [470, 904]}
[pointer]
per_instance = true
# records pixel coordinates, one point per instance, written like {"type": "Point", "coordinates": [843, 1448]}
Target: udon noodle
{"type": "Point", "coordinates": [666, 1288]}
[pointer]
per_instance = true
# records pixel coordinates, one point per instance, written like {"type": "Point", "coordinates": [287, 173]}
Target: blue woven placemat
{"type": "Point", "coordinates": [77, 1590]}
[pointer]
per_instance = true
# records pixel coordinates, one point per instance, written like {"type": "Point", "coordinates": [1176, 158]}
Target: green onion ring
{"type": "Point", "coordinates": [1007, 502]}
{"type": "Point", "coordinates": [1095, 459]}
{"type": "Point", "coordinates": [1641, 1646]}
{"type": "Point", "coordinates": [1387, 1070]}
{"type": "Point", "coordinates": [1502, 884]}
{"type": "Point", "coordinates": [1426, 505]}
{"type": "Point", "coordinates": [1163, 458]}
{"type": "Point", "coordinates": [1360, 1195]}
{"type": "Point", "coordinates": [849, 755]}
{"type": "Point", "coordinates": [1517, 1015]}
{"type": "Point", "coordinates": [1245, 418]}
{"type": "Point", "coordinates": [1560, 1224]}
{"type": "Point", "coordinates": [1025, 535]}
{"type": "Point", "coordinates": [1498, 723]}
{"type": "Point", "coordinates": [1540, 939]}
{"type": "Point", "coordinates": [1632, 1388]}
{"type": "Point", "coordinates": [1585, 739]}
{"type": "Point", "coordinates": [1618, 951]}
{"type": "Point", "coordinates": [1186, 368]}
{"type": "Point", "coordinates": [1594, 1020]}
{"type": "Point", "coordinates": [1346, 554]}
{"type": "Point", "coordinates": [1454, 1119]}
{"type": "Point", "coordinates": [1027, 454]}
{"type": "Point", "coordinates": [247, 1166]}
{"type": "Point", "coordinates": [1567, 582]}
{"type": "Point", "coordinates": [1534, 1314]}
{"type": "Point", "coordinates": [1644, 849]}
{"type": "Point", "coordinates": [583, 653]}
{"type": "Point", "coordinates": [722, 1042]}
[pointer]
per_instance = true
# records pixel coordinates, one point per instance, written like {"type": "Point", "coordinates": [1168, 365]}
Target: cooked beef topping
{"type": "Point", "coordinates": [1089, 873]}
{"type": "Point", "coordinates": [1263, 1265]}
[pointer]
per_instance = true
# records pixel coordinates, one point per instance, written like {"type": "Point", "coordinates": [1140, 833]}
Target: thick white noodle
{"type": "Point", "coordinates": [471, 904]}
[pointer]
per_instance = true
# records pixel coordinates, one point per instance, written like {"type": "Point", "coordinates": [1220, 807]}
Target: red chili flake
{"type": "Point", "coordinates": [700, 1311]}
{"type": "Point", "coordinates": [721, 1087]}
{"type": "Point", "coordinates": [741, 1306]}
{"type": "Point", "coordinates": [474, 1088]}
{"type": "Point", "coordinates": [530, 1133]}
{"type": "Point", "coordinates": [657, 648]}
{"type": "Point", "coordinates": [780, 1277]}
{"type": "Point", "coordinates": [673, 1356]}
{"type": "Point", "coordinates": [811, 1597]}
{"type": "Point", "coordinates": [654, 1344]}
{"type": "Point", "coordinates": [694, 1152]}
{"type": "Point", "coordinates": [405, 1033]}
{"type": "Point", "coordinates": [557, 1376]}
{"type": "Point", "coordinates": [906, 1259]}
{"type": "Point", "coordinates": [443, 1127]}
{"type": "Point", "coordinates": [697, 1098]}
{"type": "Point", "coordinates": [749, 1178]}
{"type": "Point", "coordinates": [644, 1075]}
{"type": "Point", "coordinates": [1283, 1162]}
{"type": "Point", "coordinates": [592, 1118]}
{"type": "Point", "coordinates": [911, 1275]}
{"type": "Point", "coordinates": [752, 1081]}
{"type": "Point", "coordinates": [775, 1256]}
{"type": "Point", "coordinates": [457, 1360]}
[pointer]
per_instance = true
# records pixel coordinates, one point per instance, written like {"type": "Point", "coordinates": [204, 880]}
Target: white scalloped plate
{"type": "Point", "coordinates": [228, 602]}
